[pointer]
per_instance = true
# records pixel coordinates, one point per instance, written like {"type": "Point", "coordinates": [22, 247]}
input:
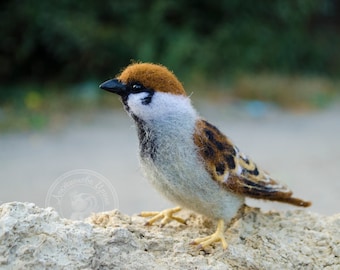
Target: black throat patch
{"type": "Point", "coordinates": [147, 146]}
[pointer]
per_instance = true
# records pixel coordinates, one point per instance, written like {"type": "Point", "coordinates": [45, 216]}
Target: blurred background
{"type": "Point", "coordinates": [265, 72]}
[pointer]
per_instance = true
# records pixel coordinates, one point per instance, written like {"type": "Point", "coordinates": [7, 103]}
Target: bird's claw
{"type": "Point", "coordinates": [217, 236]}
{"type": "Point", "coordinates": [166, 216]}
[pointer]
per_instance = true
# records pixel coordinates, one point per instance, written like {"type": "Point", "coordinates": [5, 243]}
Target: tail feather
{"type": "Point", "coordinates": [293, 201]}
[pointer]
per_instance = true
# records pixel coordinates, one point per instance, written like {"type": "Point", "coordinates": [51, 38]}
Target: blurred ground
{"type": "Point", "coordinates": [302, 150]}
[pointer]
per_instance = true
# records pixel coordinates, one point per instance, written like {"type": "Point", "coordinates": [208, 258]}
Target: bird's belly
{"type": "Point", "coordinates": [188, 184]}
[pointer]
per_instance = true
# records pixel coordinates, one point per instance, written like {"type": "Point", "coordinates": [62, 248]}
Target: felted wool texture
{"type": "Point", "coordinates": [164, 106]}
{"type": "Point", "coordinates": [176, 171]}
{"type": "Point", "coordinates": [156, 77]}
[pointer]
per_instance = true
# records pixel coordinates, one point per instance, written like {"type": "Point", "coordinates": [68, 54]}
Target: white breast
{"type": "Point", "coordinates": [176, 171]}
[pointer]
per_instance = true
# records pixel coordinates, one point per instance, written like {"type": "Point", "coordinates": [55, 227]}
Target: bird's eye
{"type": "Point", "coordinates": [137, 87]}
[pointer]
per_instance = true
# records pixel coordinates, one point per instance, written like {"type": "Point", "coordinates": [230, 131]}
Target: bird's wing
{"type": "Point", "coordinates": [235, 171]}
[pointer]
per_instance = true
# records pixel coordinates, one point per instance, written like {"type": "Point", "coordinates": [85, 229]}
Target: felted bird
{"type": "Point", "coordinates": [187, 159]}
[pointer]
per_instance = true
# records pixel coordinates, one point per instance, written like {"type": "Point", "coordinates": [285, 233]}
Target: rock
{"type": "Point", "coordinates": [37, 238]}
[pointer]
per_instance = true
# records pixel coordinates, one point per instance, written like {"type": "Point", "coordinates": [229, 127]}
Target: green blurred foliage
{"type": "Point", "coordinates": [53, 53]}
{"type": "Point", "coordinates": [71, 41]}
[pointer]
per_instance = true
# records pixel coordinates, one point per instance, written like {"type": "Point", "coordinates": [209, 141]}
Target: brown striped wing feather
{"type": "Point", "coordinates": [235, 171]}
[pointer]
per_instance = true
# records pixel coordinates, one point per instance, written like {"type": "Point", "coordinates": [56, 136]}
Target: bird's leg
{"type": "Point", "coordinates": [217, 236]}
{"type": "Point", "coordinates": [166, 216]}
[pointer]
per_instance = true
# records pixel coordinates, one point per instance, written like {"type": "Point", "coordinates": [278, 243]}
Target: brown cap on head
{"type": "Point", "coordinates": [156, 77]}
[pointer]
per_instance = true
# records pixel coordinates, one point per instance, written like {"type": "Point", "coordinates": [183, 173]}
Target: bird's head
{"type": "Point", "coordinates": [148, 90]}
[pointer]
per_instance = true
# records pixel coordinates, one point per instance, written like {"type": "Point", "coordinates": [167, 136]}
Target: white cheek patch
{"type": "Point", "coordinates": [135, 103]}
{"type": "Point", "coordinates": [162, 104]}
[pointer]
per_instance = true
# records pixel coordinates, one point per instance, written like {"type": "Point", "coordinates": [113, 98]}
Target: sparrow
{"type": "Point", "coordinates": [187, 159]}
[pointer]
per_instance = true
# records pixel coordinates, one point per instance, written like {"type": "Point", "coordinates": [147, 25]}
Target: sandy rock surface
{"type": "Point", "coordinates": [37, 238]}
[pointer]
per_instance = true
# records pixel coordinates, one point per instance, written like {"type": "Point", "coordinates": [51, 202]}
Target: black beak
{"type": "Point", "coordinates": [114, 86]}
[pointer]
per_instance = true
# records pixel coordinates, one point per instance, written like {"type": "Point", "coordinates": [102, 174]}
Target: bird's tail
{"type": "Point", "coordinates": [294, 201]}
